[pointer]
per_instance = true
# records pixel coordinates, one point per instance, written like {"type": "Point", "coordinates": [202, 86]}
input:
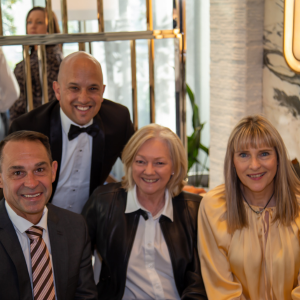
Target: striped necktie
{"type": "Point", "coordinates": [42, 277]}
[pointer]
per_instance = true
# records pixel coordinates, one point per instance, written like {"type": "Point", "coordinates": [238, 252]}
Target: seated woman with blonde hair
{"type": "Point", "coordinates": [145, 228]}
{"type": "Point", "coordinates": [249, 228]}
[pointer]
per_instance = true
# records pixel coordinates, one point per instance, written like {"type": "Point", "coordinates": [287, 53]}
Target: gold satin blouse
{"type": "Point", "coordinates": [258, 262]}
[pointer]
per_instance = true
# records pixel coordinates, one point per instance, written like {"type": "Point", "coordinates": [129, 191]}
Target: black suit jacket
{"type": "Point", "coordinates": [71, 257]}
{"type": "Point", "coordinates": [115, 126]}
{"type": "Point", "coordinates": [113, 233]}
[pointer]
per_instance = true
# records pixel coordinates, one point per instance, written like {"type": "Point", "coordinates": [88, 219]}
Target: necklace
{"type": "Point", "coordinates": [257, 211]}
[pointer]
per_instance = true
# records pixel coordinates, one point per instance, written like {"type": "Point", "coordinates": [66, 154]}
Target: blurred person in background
{"type": "Point", "coordinates": [145, 228]}
{"type": "Point", "coordinates": [36, 24]}
{"type": "Point", "coordinates": [9, 93]}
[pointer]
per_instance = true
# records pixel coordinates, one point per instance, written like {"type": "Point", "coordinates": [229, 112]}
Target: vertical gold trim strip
{"type": "Point", "coordinates": [292, 62]}
{"type": "Point", "coordinates": [1, 23]}
{"type": "Point", "coordinates": [90, 48]}
{"type": "Point", "coordinates": [134, 85]}
{"type": "Point", "coordinates": [177, 14]}
{"type": "Point", "coordinates": [182, 59]}
{"type": "Point", "coordinates": [50, 16]}
{"type": "Point", "coordinates": [43, 72]}
{"type": "Point", "coordinates": [81, 46]}
{"type": "Point", "coordinates": [178, 85]}
{"type": "Point", "coordinates": [64, 15]}
{"type": "Point", "coordinates": [151, 80]}
{"type": "Point", "coordinates": [296, 31]}
{"type": "Point", "coordinates": [182, 94]}
{"type": "Point", "coordinates": [182, 11]}
{"type": "Point", "coordinates": [28, 82]}
{"type": "Point", "coordinates": [100, 15]}
{"type": "Point", "coordinates": [149, 15]}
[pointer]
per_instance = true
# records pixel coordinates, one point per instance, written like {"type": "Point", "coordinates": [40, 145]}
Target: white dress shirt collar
{"type": "Point", "coordinates": [133, 204]}
{"type": "Point", "coordinates": [66, 122]}
{"type": "Point", "coordinates": [22, 224]}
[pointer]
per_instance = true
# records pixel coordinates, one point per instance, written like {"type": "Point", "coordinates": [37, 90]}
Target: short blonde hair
{"type": "Point", "coordinates": [256, 131]}
{"type": "Point", "coordinates": [177, 152]}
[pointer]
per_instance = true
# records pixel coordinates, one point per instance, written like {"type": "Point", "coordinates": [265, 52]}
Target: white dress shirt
{"type": "Point", "coordinates": [9, 87]}
{"type": "Point", "coordinates": [73, 187]}
{"type": "Point", "coordinates": [150, 273]}
{"type": "Point", "coordinates": [21, 225]}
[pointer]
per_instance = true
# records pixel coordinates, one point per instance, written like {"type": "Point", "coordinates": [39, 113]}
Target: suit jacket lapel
{"type": "Point", "coordinates": [59, 250]}
{"type": "Point", "coordinates": [10, 241]}
{"type": "Point", "coordinates": [56, 142]}
{"type": "Point", "coordinates": [97, 155]}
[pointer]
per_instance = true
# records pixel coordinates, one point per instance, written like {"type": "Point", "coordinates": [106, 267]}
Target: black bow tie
{"type": "Point", "coordinates": [75, 131]}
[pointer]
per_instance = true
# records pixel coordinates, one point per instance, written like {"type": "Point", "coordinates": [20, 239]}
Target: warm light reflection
{"type": "Point", "coordinates": [291, 47]}
{"type": "Point", "coordinates": [296, 35]}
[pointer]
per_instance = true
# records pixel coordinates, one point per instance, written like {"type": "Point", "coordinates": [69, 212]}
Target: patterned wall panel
{"type": "Point", "coordinates": [236, 72]}
{"type": "Point", "coordinates": [281, 86]}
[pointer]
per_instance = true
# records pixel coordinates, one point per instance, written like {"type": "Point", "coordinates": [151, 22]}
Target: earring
{"type": "Point", "coordinates": [172, 173]}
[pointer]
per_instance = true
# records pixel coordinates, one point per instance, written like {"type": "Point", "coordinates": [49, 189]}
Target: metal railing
{"type": "Point", "coordinates": [178, 34]}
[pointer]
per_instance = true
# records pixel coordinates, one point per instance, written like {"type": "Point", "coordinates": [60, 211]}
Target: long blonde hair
{"type": "Point", "coordinates": [256, 131]}
{"type": "Point", "coordinates": [177, 152]}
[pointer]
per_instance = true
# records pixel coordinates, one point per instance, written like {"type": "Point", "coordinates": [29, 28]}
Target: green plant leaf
{"type": "Point", "coordinates": [205, 149]}
{"type": "Point", "coordinates": [196, 119]}
{"type": "Point", "coordinates": [194, 141]}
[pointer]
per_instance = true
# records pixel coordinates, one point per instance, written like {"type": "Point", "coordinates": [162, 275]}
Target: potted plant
{"type": "Point", "coordinates": [194, 142]}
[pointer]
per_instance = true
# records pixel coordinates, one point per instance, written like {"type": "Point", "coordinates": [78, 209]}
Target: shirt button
{"type": "Point", "coordinates": [76, 170]}
{"type": "Point", "coordinates": [80, 150]}
{"type": "Point", "coordinates": [73, 190]}
{"type": "Point", "coordinates": [70, 206]}
{"type": "Point", "coordinates": [149, 244]}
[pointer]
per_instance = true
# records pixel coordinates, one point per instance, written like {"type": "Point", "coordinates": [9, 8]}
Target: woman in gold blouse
{"type": "Point", "coordinates": [248, 232]}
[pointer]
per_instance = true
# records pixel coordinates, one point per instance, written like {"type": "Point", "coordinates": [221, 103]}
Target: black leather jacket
{"type": "Point", "coordinates": [113, 233]}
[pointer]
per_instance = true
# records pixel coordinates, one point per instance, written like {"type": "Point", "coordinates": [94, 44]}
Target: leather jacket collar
{"type": "Point", "coordinates": [113, 233]}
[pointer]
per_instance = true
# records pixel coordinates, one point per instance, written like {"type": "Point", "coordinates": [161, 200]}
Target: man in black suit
{"type": "Point", "coordinates": [45, 252]}
{"type": "Point", "coordinates": [85, 155]}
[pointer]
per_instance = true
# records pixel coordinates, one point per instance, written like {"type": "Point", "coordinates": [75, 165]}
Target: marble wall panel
{"type": "Point", "coordinates": [281, 86]}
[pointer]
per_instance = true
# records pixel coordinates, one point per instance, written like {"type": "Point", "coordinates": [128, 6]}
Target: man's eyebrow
{"type": "Point", "coordinates": [42, 163]}
{"type": "Point", "coordinates": [39, 164]}
{"type": "Point", "coordinates": [77, 84]}
{"type": "Point", "coordinates": [16, 168]}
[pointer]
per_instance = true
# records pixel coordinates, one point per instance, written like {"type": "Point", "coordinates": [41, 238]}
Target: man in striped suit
{"type": "Point", "coordinates": [45, 252]}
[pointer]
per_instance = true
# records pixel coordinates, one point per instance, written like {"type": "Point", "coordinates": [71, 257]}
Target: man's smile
{"type": "Point", "coordinates": [31, 195]}
{"type": "Point", "coordinates": [82, 108]}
